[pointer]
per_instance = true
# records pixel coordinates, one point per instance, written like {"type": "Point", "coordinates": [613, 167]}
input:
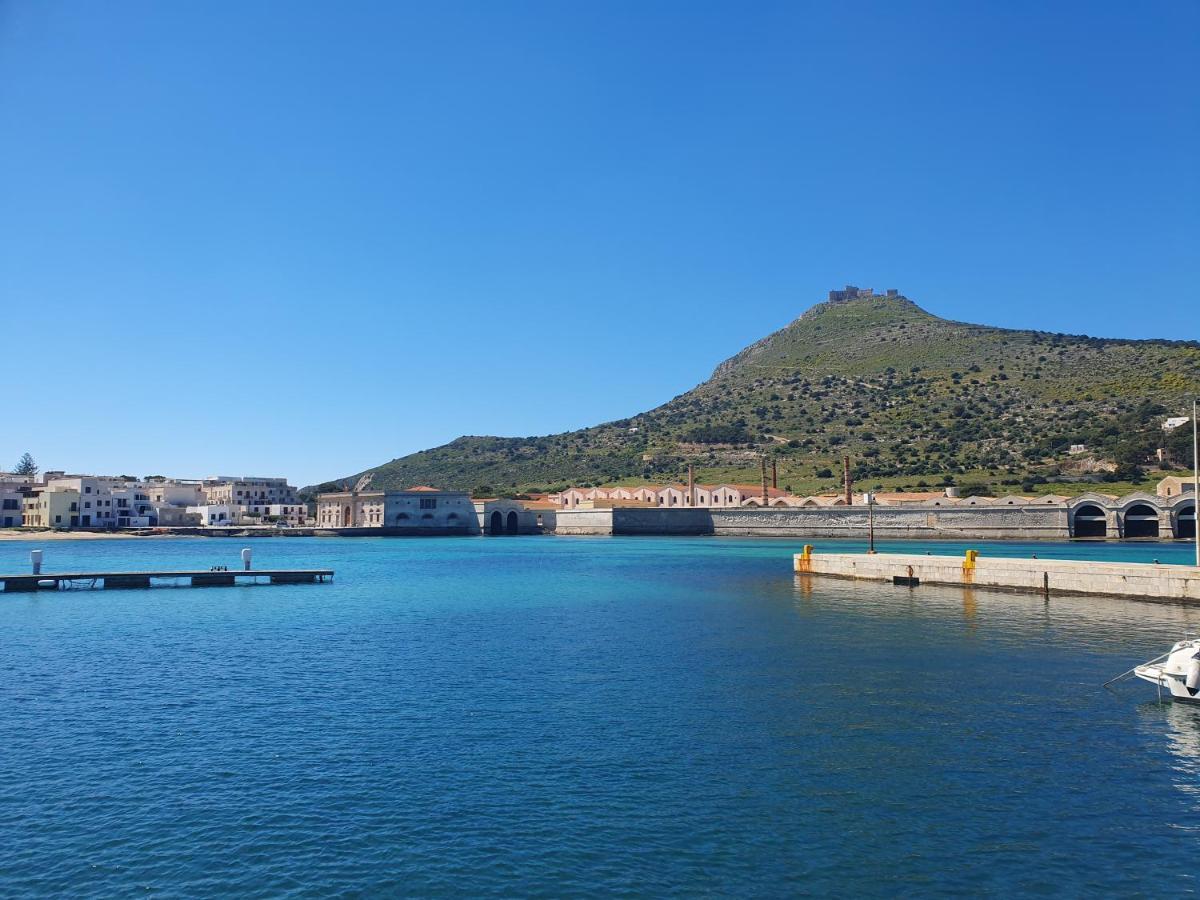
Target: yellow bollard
{"type": "Point", "coordinates": [969, 565]}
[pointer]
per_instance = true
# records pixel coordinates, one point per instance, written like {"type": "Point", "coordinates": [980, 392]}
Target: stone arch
{"type": "Point", "coordinates": [1185, 521]}
{"type": "Point", "coordinates": [1089, 521]}
{"type": "Point", "coordinates": [512, 524]}
{"type": "Point", "coordinates": [496, 523]}
{"type": "Point", "coordinates": [1140, 520]}
{"type": "Point", "coordinates": [346, 516]}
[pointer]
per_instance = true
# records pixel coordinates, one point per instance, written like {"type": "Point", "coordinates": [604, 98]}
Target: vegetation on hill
{"type": "Point", "coordinates": [913, 399]}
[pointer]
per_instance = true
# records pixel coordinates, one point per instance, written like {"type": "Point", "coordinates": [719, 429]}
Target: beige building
{"type": "Point", "coordinates": [53, 509]}
{"type": "Point", "coordinates": [14, 489]}
{"type": "Point", "coordinates": [416, 509]}
{"type": "Point", "coordinates": [1173, 486]}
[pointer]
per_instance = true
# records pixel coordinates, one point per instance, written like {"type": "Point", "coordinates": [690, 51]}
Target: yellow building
{"type": "Point", "coordinates": [52, 509]}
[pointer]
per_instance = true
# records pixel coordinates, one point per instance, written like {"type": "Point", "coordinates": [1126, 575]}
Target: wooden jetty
{"type": "Point", "coordinates": [208, 578]}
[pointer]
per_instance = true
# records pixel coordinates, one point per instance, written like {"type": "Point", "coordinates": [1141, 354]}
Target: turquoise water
{"type": "Point", "coordinates": [571, 716]}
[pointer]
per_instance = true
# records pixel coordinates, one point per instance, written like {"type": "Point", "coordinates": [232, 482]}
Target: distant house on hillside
{"type": "Point", "coordinates": [1173, 486]}
{"type": "Point", "coordinates": [1175, 421]}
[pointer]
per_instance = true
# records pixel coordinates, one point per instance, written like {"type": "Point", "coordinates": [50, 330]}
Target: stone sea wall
{"type": "Point", "coordinates": [977, 522]}
{"type": "Point", "coordinates": [1053, 576]}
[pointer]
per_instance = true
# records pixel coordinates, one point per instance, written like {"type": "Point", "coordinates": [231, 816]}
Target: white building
{"type": "Point", "coordinates": [215, 514]}
{"type": "Point", "coordinates": [132, 508]}
{"type": "Point", "coordinates": [246, 490]}
{"type": "Point", "coordinates": [1175, 421]}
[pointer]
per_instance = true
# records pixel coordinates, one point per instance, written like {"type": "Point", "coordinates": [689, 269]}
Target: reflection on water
{"type": "Point", "coordinates": [1098, 622]}
{"type": "Point", "coordinates": [1175, 727]}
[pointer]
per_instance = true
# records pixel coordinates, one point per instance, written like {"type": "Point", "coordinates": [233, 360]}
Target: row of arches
{"type": "Point", "coordinates": [401, 518]}
{"type": "Point", "coordinates": [1138, 521]}
{"type": "Point", "coordinates": [499, 523]}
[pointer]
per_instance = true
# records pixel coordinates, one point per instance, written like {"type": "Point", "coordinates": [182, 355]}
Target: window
{"type": "Point", "coordinates": [87, 504]}
{"type": "Point", "coordinates": [88, 489]}
{"type": "Point", "coordinates": [429, 503]}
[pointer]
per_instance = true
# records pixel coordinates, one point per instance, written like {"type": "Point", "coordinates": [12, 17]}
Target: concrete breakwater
{"type": "Point", "coordinates": [1042, 576]}
{"type": "Point", "coordinates": [1030, 522]}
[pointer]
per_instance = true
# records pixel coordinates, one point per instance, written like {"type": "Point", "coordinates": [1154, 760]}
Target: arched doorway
{"type": "Point", "coordinates": [1090, 522]}
{"type": "Point", "coordinates": [1186, 523]}
{"type": "Point", "coordinates": [496, 523]}
{"type": "Point", "coordinates": [512, 524]}
{"type": "Point", "coordinates": [1141, 521]}
{"type": "Point", "coordinates": [346, 518]}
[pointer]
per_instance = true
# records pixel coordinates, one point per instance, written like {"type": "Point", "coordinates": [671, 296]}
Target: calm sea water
{"type": "Point", "coordinates": [572, 716]}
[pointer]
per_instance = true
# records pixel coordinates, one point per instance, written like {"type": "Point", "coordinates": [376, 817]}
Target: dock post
{"type": "Point", "coordinates": [35, 559]}
{"type": "Point", "coordinates": [246, 554]}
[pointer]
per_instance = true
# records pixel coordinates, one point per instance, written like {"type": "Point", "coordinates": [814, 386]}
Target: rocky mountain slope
{"type": "Point", "coordinates": [910, 397]}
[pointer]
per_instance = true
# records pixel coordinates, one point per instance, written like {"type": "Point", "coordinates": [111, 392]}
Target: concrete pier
{"type": "Point", "coordinates": [1040, 576]}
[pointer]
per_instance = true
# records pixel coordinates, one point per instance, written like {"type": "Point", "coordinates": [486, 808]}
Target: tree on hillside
{"type": "Point", "coordinates": [25, 466]}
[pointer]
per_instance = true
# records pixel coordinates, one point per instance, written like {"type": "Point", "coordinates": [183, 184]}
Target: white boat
{"type": "Point", "coordinates": [1177, 671]}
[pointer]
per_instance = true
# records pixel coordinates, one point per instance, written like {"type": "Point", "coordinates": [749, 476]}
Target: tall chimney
{"type": "Point", "coordinates": [691, 487]}
{"type": "Point", "coordinates": [846, 480]}
{"type": "Point", "coordinates": [766, 496]}
{"type": "Point", "coordinates": [774, 474]}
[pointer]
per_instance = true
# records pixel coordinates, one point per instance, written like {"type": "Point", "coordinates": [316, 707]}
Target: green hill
{"type": "Point", "coordinates": [913, 399]}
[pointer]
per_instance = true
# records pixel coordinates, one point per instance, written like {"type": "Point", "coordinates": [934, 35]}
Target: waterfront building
{"type": "Point", "coordinates": [53, 509]}
{"type": "Point", "coordinates": [214, 514]}
{"type": "Point", "coordinates": [96, 498]}
{"type": "Point", "coordinates": [174, 492]}
{"type": "Point", "coordinates": [499, 516]}
{"type": "Point", "coordinates": [246, 490]}
{"type": "Point", "coordinates": [131, 507]}
{"type": "Point", "coordinates": [167, 515]}
{"type": "Point", "coordinates": [671, 496]}
{"type": "Point", "coordinates": [419, 508]}
{"type": "Point", "coordinates": [14, 489]}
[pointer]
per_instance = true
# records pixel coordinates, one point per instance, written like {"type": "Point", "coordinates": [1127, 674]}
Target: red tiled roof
{"type": "Point", "coordinates": [423, 487]}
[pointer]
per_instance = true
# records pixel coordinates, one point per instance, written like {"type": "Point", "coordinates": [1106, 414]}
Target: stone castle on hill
{"type": "Point", "coordinates": [850, 292]}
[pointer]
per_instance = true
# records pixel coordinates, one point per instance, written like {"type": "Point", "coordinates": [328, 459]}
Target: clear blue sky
{"type": "Point", "coordinates": [305, 238]}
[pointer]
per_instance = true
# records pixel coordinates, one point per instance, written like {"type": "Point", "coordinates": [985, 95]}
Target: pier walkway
{"type": "Point", "coordinates": [206, 578]}
{"type": "Point", "coordinates": [1040, 576]}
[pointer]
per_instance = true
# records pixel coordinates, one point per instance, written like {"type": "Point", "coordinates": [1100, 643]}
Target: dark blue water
{"type": "Point", "coordinates": [561, 717]}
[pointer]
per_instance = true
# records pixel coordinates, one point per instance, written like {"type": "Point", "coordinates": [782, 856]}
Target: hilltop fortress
{"type": "Point", "coordinates": [850, 292]}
